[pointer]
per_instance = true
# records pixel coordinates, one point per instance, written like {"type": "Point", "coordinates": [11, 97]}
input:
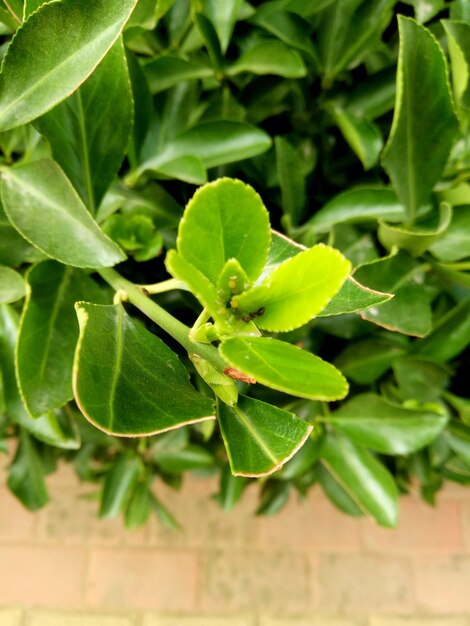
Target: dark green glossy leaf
{"type": "Point", "coordinates": [297, 290]}
{"type": "Point", "coordinates": [409, 311]}
{"type": "Point", "coordinates": [420, 379]}
{"type": "Point", "coordinates": [26, 475]}
{"type": "Point", "coordinates": [44, 207]}
{"type": "Point", "coordinates": [89, 132]}
{"type": "Point", "coordinates": [67, 41]}
{"type": "Point", "coordinates": [338, 496]}
{"type": "Point", "coordinates": [212, 143]}
{"type": "Point", "coordinates": [225, 219]}
{"type": "Point", "coordinates": [140, 506]}
{"type": "Point", "coordinates": [371, 421]}
{"type": "Point", "coordinates": [127, 381]}
{"type": "Point", "coordinates": [424, 120]}
{"type": "Point", "coordinates": [304, 459]}
{"type": "Point", "coordinates": [285, 367]}
{"type": "Point", "coordinates": [358, 205]}
{"type": "Point", "coordinates": [48, 335]}
{"type": "Point", "coordinates": [259, 437]}
{"type": "Point", "coordinates": [449, 336]}
{"type": "Point", "coordinates": [231, 488]}
{"type": "Point", "coordinates": [362, 135]}
{"type": "Point", "coordinates": [14, 250]}
{"type": "Point", "coordinates": [363, 477]}
{"type": "Point", "coordinates": [280, 249]}
{"type": "Point", "coordinates": [223, 16]}
{"type": "Point", "coordinates": [118, 484]}
{"type": "Point", "coordinates": [286, 26]}
{"type": "Point", "coordinates": [291, 179]}
{"type": "Point", "coordinates": [457, 436]}
{"type": "Point", "coordinates": [165, 72]}
{"type": "Point", "coordinates": [366, 361]}
{"type": "Point", "coordinates": [192, 457]}
{"type": "Point", "coordinates": [345, 31]}
{"type": "Point", "coordinates": [12, 285]}
{"type": "Point", "coordinates": [269, 57]}
{"type": "Point", "coordinates": [353, 297]}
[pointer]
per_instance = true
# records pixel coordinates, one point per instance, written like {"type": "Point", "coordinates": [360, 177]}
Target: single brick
{"type": "Point", "coordinates": [41, 576]}
{"type": "Point", "coordinates": [418, 621]}
{"type": "Point", "coordinates": [48, 618]}
{"type": "Point", "coordinates": [442, 584]}
{"type": "Point", "coordinates": [317, 620]}
{"type": "Point", "coordinates": [313, 525]}
{"type": "Point", "coordinates": [249, 580]}
{"type": "Point", "coordinates": [10, 617]}
{"type": "Point", "coordinates": [359, 583]}
{"type": "Point", "coordinates": [137, 579]}
{"type": "Point", "coordinates": [16, 523]}
{"type": "Point", "coordinates": [421, 529]}
{"type": "Point", "coordinates": [159, 620]}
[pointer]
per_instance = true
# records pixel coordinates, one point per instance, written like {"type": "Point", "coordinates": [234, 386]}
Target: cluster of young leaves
{"type": "Point", "coordinates": [110, 114]}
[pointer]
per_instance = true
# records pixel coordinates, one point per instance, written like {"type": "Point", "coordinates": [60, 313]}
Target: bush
{"type": "Point", "coordinates": [345, 119]}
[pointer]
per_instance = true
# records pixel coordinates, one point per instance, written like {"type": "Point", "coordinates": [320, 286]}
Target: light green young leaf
{"type": "Point", "coordinates": [454, 243]}
{"type": "Point", "coordinates": [285, 367]}
{"type": "Point", "coordinates": [424, 121]}
{"type": "Point", "coordinates": [89, 131]}
{"type": "Point", "coordinates": [126, 381]}
{"type": "Point", "coordinates": [67, 40]}
{"type": "Point", "coordinates": [43, 206]}
{"type": "Point", "coordinates": [363, 477]}
{"type": "Point", "coordinates": [458, 37]}
{"type": "Point", "coordinates": [371, 421]}
{"type": "Point", "coordinates": [48, 335]}
{"type": "Point", "coordinates": [297, 290]}
{"type": "Point", "coordinates": [12, 285]}
{"type": "Point", "coordinates": [269, 57]}
{"type": "Point", "coordinates": [259, 437]}
{"type": "Point", "coordinates": [225, 219]}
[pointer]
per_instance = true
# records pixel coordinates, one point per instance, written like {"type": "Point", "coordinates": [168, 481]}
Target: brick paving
{"type": "Point", "coordinates": [308, 566]}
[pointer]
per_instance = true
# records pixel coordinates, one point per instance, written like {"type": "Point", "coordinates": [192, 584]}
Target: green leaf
{"type": "Point", "coordinates": [409, 311]}
{"type": "Point", "coordinates": [259, 437]}
{"type": "Point", "coordinates": [420, 379]}
{"type": "Point", "coordinates": [353, 297]}
{"type": "Point", "coordinates": [454, 243]}
{"type": "Point", "coordinates": [269, 57]}
{"type": "Point", "coordinates": [363, 477]}
{"type": "Point", "coordinates": [418, 239]}
{"type": "Point", "coordinates": [186, 168]}
{"type": "Point", "coordinates": [358, 205]}
{"type": "Point", "coordinates": [458, 37]}
{"type": "Point", "coordinates": [192, 457]}
{"type": "Point", "coordinates": [457, 435]}
{"type": "Point", "coordinates": [165, 72]}
{"type": "Point", "coordinates": [89, 131]}
{"type": "Point", "coordinates": [345, 31]}
{"type": "Point", "coordinates": [48, 335]}
{"type": "Point", "coordinates": [305, 458]}
{"type": "Point", "coordinates": [14, 250]}
{"type": "Point", "coordinates": [127, 382]}
{"type": "Point", "coordinates": [26, 475]}
{"type": "Point", "coordinates": [45, 209]}
{"type": "Point", "coordinates": [424, 121]}
{"type": "Point", "coordinates": [450, 335]}
{"type": "Point", "coordinates": [371, 421]}
{"type": "Point", "coordinates": [425, 10]}
{"type": "Point", "coordinates": [231, 488]}
{"type": "Point", "coordinates": [338, 496]}
{"type": "Point", "coordinates": [30, 6]}
{"type": "Point", "coordinates": [286, 26]}
{"type": "Point", "coordinates": [367, 360]}
{"type": "Point", "coordinates": [197, 282]}
{"type": "Point", "coordinates": [363, 136]}
{"type": "Point", "coordinates": [56, 428]}
{"type": "Point", "coordinates": [291, 179]}
{"type": "Point", "coordinates": [212, 143]}
{"type": "Point", "coordinates": [209, 37]}
{"type": "Point", "coordinates": [285, 367]}
{"type": "Point", "coordinates": [12, 285]}
{"type": "Point", "coordinates": [297, 290]}
{"type": "Point", "coordinates": [140, 506]}
{"type": "Point", "coordinates": [281, 249]}
{"type": "Point", "coordinates": [67, 40]}
{"type": "Point", "coordinates": [225, 219]}
{"type": "Point", "coordinates": [118, 484]}
{"type": "Point", "coordinates": [223, 16]}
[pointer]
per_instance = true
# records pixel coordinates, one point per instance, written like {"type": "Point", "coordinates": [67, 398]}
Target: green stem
{"type": "Point", "coordinates": [175, 328]}
{"type": "Point", "coordinates": [165, 285]}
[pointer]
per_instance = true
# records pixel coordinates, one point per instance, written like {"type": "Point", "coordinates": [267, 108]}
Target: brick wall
{"type": "Point", "coordinates": [308, 566]}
